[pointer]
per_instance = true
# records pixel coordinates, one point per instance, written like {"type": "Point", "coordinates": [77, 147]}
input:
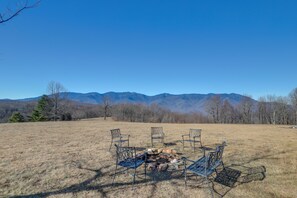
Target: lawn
{"type": "Point", "coordinates": [71, 159]}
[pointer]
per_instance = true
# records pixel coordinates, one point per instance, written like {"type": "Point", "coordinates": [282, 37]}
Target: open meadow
{"type": "Point", "coordinates": [72, 159]}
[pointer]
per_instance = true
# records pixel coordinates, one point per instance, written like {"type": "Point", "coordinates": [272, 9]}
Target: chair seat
{"type": "Point", "coordinates": [131, 163]}
{"type": "Point", "coordinates": [192, 140]}
{"type": "Point", "coordinates": [157, 137]}
{"type": "Point", "coordinates": [121, 140]}
{"type": "Point", "coordinates": [198, 167]}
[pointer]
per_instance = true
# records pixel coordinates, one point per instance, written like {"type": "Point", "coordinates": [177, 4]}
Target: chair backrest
{"type": "Point", "coordinates": [157, 131]}
{"type": "Point", "coordinates": [115, 133]}
{"type": "Point", "coordinates": [210, 161]}
{"type": "Point", "coordinates": [219, 151]}
{"type": "Point", "coordinates": [124, 153]}
{"type": "Point", "coordinates": [215, 158]}
{"type": "Point", "coordinates": [195, 133]}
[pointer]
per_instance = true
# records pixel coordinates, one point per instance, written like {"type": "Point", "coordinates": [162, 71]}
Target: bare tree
{"type": "Point", "coordinates": [213, 107]}
{"type": "Point", "coordinates": [282, 110]}
{"type": "Point", "coordinates": [227, 112]}
{"type": "Point", "coordinates": [10, 13]}
{"type": "Point", "coordinates": [57, 93]}
{"type": "Point", "coordinates": [245, 108]}
{"type": "Point", "coordinates": [274, 110]}
{"type": "Point", "coordinates": [271, 108]}
{"type": "Point", "coordinates": [262, 110]}
{"type": "Point", "coordinates": [106, 106]}
{"type": "Point", "coordinates": [293, 101]}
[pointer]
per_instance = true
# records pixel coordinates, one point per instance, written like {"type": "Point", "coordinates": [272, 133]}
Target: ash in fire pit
{"type": "Point", "coordinates": [159, 161]}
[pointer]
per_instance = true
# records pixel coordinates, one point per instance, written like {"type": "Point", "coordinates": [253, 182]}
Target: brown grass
{"type": "Point", "coordinates": [71, 159]}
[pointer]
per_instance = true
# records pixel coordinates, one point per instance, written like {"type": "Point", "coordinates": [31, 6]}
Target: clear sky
{"type": "Point", "coordinates": [151, 47]}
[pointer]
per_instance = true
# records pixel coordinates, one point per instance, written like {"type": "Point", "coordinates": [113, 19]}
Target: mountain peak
{"type": "Point", "coordinates": [184, 103]}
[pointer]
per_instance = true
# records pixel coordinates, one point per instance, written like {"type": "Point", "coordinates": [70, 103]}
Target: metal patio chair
{"type": "Point", "coordinates": [157, 134]}
{"type": "Point", "coordinates": [126, 157]}
{"type": "Point", "coordinates": [118, 138]}
{"type": "Point", "coordinates": [206, 165]}
{"type": "Point", "coordinates": [193, 137]}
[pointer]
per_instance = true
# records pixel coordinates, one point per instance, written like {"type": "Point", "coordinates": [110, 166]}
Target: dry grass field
{"type": "Point", "coordinates": [71, 159]}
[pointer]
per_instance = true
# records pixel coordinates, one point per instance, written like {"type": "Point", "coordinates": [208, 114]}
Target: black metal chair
{"type": "Point", "coordinates": [118, 138]}
{"type": "Point", "coordinates": [126, 157]}
{"type": "Point", "coordinates": [193, 137]}
{"type": "Point", "coordinates": [157, 134]}
{"type": "Point", "coordinates": [206, 165]}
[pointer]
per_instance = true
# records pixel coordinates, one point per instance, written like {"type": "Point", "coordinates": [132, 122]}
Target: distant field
{"type": "Point", "coordinates": [71, 159]}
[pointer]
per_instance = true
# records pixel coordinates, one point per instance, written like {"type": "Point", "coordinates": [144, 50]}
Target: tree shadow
{"type": "Point", "coordinates": [104, 188]}
{"type": "Point", "coordinates": [226, 180]}
{"type": "Point", "coordinates": [83, 186]}
{"type": "Point", "coordinates": [265, 156]}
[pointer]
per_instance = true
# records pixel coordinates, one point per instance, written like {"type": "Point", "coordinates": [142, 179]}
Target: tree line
{"type": "Point", "coordinates": [52, 107]}
{"type": "Point", "coordinates": [56, 107]}
{"type": "Point", "coordinates": [269, 109]}
{"type": "Point", "coordinates": [153, 113]}
{"type": "Point", "coordinates": [15, 111]}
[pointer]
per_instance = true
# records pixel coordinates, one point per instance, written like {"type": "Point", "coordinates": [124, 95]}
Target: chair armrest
{"type": "Point", "coordinates": [125, 135]}
{"type": "Point", "coordinates": [142, 156]}
{"type": "Point", "coordinates": [187, 135]}
{"type": "Point", "coordinates": [186, 159]}
{"type": "Point", "coordinates": [204, 150]}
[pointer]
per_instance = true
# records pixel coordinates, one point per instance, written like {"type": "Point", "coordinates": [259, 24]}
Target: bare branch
{"type": "Point", "coordinates": [20, 8]}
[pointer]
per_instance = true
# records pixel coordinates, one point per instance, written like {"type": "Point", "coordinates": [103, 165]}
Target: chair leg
{"type": "Point", "coordinates": [134, 177]}
{"type": "Point", "coordinates": [210, 187]}
{"type": "Point", "coordinates": [185, 172]}
{"type": "Point", "coordinates": [186, 178]}
{"type": "Point", "coordinates": [114, 174]}
{"type": "Point", "coordinates": [183, 144]}
{"type": "Point", "coordinates": [110, 145]}
{"type": "Point", "coordinates": [224, 169]}
{"type": "Point", "coordinates": [145, 171]}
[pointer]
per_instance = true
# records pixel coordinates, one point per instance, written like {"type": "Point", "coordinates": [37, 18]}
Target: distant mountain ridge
{"type": "Point", "coordinates": [184, 103]}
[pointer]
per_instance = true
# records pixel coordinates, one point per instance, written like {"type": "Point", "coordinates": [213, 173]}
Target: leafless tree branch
{"type": "Point", "coordinates": [10, 14]}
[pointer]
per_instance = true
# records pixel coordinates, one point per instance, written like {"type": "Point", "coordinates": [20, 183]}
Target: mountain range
{"type": "Point", "coordinates": [184, 103]}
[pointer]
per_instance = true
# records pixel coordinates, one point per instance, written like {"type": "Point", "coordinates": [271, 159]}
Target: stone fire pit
{"type": "Point", "coordinates": [159, 160]}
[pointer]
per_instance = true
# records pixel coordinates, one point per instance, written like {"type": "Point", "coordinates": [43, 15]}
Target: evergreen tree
{"type": "Point", "coordinates": [37, 116]}
{"type": "Point", "coordinates": [42, 110]}
{"type": "Point", "coordinates": [16, 117]}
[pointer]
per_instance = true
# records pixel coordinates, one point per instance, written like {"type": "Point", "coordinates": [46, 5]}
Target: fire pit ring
{"type": "Point", "coordinates": [159, 160]}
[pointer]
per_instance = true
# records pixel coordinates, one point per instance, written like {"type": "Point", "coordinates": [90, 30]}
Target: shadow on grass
{"type": "Point", "coordinates": [103, 189]}
{"type": "Point", "coordinates": [83, 186]}
{"type": "Point", "coordinates": [229, 178]}
{"type": "Point", "coordinates": [226, 180]}
{"type": "Point", "coordinates": [236, 175]}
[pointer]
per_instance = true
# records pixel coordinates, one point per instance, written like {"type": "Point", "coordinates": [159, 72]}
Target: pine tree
{"type": "Point", "coordinates": [42, 110]}
{"type": "Point", "coordinates": [17, 117]}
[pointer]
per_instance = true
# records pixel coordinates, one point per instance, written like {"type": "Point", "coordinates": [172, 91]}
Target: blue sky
{"type": "Point", "coordinates": [151, 47]}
